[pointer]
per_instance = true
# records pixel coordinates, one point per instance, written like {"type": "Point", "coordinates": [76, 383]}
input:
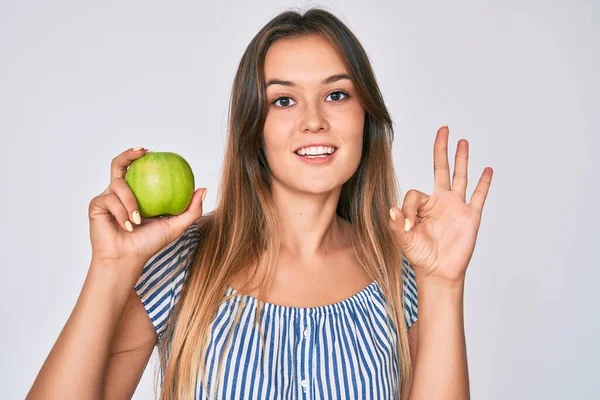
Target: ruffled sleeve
{"type": "Point", "coordinates": [162, 278]}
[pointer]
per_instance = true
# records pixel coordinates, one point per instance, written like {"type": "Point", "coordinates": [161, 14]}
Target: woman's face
{"type": "Point", "coordinates": [307, 111]}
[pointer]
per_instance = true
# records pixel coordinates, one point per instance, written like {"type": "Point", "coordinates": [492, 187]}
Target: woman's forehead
{"type": "Point", "coordinates": [303, 61]}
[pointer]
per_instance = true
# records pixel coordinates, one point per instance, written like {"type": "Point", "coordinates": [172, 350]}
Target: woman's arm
{"type": "Point", "coordinates": [440, 367]}
{"type": "Point", "coordinates": [76, 365]}
{"type": "Point", "coordinates": [413, 333]}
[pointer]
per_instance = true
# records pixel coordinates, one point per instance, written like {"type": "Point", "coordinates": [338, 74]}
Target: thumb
{"type": "Point", "coordinates": [179, 223]}
{"type": "Point", "coordinates": [400, 226]}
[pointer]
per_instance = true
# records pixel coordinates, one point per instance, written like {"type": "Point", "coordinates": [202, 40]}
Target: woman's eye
{"type": "Point", "coordinates": [282, 99]}
{"type": "Point", "coordinates": [337, 95]}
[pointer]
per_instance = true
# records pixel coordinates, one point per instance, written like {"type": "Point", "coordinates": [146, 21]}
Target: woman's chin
{"type": "Point", "coordinates": [319, 189]}
{"type": "Point", "coordinates": [309, 185]}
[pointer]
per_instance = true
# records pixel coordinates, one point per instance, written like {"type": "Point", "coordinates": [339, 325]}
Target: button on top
{"type": "Point", "coordinates": [306, 332]}
{"type": "Point", "coordinates": [304, 383]}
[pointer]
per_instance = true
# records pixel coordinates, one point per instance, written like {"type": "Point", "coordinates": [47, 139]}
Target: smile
{"type": "Point", "coordinates": [320, 158]}
{"type": "Point", "coordinates": [315, 150]}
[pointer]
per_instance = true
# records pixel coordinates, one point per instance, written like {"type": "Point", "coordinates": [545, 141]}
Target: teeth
{"type": "Point", "coordinates": [315, 150]}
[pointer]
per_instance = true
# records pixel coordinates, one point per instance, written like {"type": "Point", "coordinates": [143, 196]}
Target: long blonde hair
{"type": "Point", "coordinates": [244, 225]}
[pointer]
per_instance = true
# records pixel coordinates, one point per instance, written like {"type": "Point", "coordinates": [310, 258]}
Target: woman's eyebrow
{"type": "Point", "coordinates": [326, 81]}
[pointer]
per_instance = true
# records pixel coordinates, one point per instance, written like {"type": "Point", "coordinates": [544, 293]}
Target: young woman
{"type": "Point", "coordinates": [302, 283]}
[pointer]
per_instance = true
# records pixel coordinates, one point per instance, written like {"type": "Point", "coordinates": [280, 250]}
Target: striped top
{"type": "Point", "coordinates": [336, 351]}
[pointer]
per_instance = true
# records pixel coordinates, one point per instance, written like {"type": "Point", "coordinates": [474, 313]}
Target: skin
{"type": "Point", "coordinates": [307, 195]}
{"type": "Point", "coordinates": [316, 264]}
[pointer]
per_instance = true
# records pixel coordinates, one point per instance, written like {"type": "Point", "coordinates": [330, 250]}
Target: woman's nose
{"type": "Point", "coordinates": [313, 120]}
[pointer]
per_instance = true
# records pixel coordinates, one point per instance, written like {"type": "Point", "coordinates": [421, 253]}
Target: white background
{"type": "Point", "coordinates": [81, 82]}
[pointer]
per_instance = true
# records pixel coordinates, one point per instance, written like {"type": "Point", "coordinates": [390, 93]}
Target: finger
{"type": "Point", "coordinates": [123, 191]}
{"type": "Point", "coordinates": [411, 203]}
{"type": "Point", "coordinates": [441, 169]}
{"type": "Point", "coordinates": [482, 189]}
{"type": "Point", "coordinates": [119, 164]}
{"type": "Point", "coordinates": [179, 223]}
{"type": "Point", "coordinates": [112, 203]}
{"type": "Point", "coordinates": [400, 227]}
{"type": "Point", "coordinates": [461, 161]}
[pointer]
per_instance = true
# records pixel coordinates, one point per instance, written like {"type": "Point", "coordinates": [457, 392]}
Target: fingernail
{"type": "Point", "coordinates": [137, 148]}
{"type": "Point", "coordinates": [204, 195]}
{"type": "Point", "coordinates": [128, 226]}
{"type": "Point", "coordinates": [406, 224]}
{"type": "Point", "coordinates": [392, 214]}
{"type": "Point", "coordinates": [136, 217]}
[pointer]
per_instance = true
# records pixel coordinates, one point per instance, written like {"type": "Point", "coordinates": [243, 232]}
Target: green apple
{"type": "Point", "coordinates": [162, 183]}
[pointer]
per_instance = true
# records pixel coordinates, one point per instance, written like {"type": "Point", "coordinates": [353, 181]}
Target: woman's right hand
{"type": "Point", "coordinates": [113, 211]}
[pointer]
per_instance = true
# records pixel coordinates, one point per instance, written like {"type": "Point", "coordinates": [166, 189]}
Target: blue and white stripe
{"type": "Point", "coordinates": [337, 351]}
{"type": "Point", "coordinates": [157, 295]}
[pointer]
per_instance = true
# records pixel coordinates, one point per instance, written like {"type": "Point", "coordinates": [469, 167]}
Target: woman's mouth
{"type": "Point", "coordinates": [320, 158]}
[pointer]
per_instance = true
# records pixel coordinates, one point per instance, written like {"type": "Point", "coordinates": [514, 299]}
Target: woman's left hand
{"type": "Point", "coordinates": [443, 227]}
